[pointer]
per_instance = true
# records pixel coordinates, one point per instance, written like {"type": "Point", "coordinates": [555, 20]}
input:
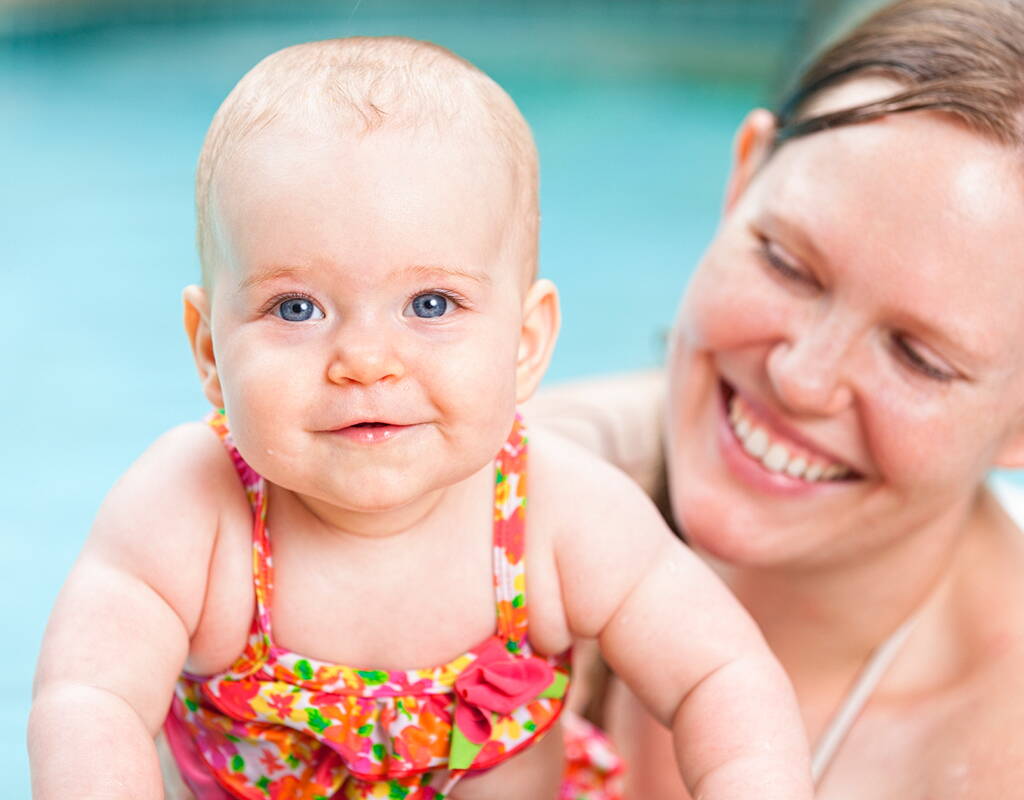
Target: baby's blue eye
{"type": "Point", "coordinates": [429, 305]}
{"type": "Point", "coordinates": [298, 309]}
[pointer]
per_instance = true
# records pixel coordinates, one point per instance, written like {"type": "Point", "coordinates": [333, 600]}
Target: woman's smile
{"type": "Point", "coordinates": [760, 452]}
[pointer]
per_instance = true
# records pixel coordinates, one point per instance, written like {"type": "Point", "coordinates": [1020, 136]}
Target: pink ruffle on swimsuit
{"type": "Point", "coordinates": [279, 725]}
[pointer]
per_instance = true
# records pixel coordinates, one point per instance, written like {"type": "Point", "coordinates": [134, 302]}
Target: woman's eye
{"type": "Point", "coordinates": [782, 264]}
{"type": "Point", "coordinates": [918, 362]}
{"type": "Point", "coordinates": [428, 305]}
{"type": "Point", "coordinates": [298, 309]}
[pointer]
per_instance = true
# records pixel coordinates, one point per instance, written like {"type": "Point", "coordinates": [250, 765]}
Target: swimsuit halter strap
{"type": "Point", "coordinates": [255, 492]}
{"type": "Point", "coordinates": [864, 685]}
{"type": "Point", "coordinates": [509, 539]}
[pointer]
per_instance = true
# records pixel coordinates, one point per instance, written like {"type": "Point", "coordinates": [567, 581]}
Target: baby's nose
{"type": "Point", "coordinates": [365, 359]}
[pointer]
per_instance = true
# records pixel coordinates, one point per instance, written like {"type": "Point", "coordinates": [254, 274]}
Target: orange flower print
{"type": "Point", "coordinates": [270, 761]}
{"type": "Point", "coordinates": [233, 697]}
{"type": "Point", "coordinates": [282, 703]}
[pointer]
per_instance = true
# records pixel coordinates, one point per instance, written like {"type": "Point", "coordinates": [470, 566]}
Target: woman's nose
{"type": "Point", "coordinates": [364, 355]}
{"type": "Point", "coordinates": [810, 370]}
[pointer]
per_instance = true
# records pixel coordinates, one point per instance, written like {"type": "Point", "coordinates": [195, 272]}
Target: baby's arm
{"type": "Point", "coordinates": [673, 632]}
{"type": "Point", "coordinates": [119, 633]}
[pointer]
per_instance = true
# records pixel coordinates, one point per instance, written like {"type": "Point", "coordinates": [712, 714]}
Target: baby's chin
{"type": "Point", "coordinates": [386, 501]}
{"type": "Point", "coordinates": [363, 495]}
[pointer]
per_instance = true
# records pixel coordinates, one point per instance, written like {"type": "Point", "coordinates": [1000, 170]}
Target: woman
{"type": "Point", "coordinates": [845, 369]}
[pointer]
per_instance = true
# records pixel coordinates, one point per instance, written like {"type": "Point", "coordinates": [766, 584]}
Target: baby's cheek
{"type": "Point", "coordinates": [264, 398]}
{"type": "Point", "coordinates": [480, 389]}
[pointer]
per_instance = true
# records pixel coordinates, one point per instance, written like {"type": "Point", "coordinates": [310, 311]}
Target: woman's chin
{"type": "Point", "coordinates": [728, 532]}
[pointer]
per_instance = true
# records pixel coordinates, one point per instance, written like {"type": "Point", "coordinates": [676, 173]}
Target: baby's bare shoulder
{"type": "Point", "coordinates": [584, 516]}
{"type": "Point", "coordinates": [618, 417]}
{"type": "Point", "coordinates": [591, 512]}
{"type": "Point", "coordinates": [161, 520]}
{"type": "Point", "coordinates": [178, 479]}
{"type": "Point", "coordinates": [570, 485]}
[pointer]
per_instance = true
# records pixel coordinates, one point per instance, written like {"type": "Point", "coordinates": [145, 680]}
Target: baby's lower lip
{"type": "Point", "coordinates": [371, 432]}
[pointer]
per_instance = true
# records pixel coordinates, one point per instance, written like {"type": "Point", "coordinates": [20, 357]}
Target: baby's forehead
{"type": "Point", "coordinates": [410, 200]}
{"type": "Point", "coordinates": [410, 168]}
{"type": "Point", "coordinates": [329, 141]}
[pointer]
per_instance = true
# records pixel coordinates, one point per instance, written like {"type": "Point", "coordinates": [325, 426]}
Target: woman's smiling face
{"type": "Point", "coordinates": [847, 363]}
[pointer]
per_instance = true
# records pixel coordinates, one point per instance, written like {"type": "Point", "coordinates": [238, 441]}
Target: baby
{"type": "Point", "coordinates": [369, 319]}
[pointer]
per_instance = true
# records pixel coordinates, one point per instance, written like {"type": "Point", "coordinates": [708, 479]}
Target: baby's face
{"type": "Point", "coordinates": [366, 311]}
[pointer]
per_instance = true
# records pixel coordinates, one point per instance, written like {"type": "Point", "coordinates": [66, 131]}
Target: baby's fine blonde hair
{"type": "Point", "coordinates": [362, 84]}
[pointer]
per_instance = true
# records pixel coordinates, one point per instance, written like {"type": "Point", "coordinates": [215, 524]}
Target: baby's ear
{"type": "Point", "coordinates": [541, 320]}
{"type": "Point", "coordinates": [197, 327]}
{"type": "Point", "coordinates": [751, 145]}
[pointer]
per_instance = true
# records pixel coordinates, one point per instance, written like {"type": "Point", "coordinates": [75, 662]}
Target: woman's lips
{"type": "Point", "coordinates": [762, 454]}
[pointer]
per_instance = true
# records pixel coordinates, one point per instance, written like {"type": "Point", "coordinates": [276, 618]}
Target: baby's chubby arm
{"type": "Point", "coordinates": [671, 630]}
{"type": "Point", "coordinates": [119, 632]}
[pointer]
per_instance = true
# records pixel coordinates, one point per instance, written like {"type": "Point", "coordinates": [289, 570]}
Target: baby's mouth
{"type": "Point", "coordinates": [777, 453]}
{"type": "Point", "coordinates": [371, 431]}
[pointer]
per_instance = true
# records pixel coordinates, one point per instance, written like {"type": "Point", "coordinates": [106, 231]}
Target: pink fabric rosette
{"type": "Point", "coordinates": [498, 682]}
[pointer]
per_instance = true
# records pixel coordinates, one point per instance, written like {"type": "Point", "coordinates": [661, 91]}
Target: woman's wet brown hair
{"type": "Point", "coordinates": [963, 57]}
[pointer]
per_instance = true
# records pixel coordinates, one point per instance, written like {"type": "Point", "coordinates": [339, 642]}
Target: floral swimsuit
{"type": "Point", "coordinates": [279, 725]}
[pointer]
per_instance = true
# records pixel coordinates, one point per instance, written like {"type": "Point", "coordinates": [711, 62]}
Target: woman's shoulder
{"type": "Point", "coordinates": [982, 712]}
{"type": "Point", "coordinates": [976, 752]}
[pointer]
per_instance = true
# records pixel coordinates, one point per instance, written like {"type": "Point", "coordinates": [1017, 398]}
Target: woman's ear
{"type": "Point", "coordinates": [197, 327]}
{"type": "Point", "coordinates": [541, 320]}
{"type": "Point", "coordinates": [752, 144]}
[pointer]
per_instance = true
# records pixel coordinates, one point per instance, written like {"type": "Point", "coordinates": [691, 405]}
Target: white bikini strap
{"type": "Point", "coordinates": [867, 681]}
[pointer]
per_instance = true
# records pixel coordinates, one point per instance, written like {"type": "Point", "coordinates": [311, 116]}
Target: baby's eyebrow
{"type": "Point", "coordinates": [418, 271]}
{"type": "Point", "coordinates": [270, 274]}
{"type": "Point", "coordinates": [427, 271]}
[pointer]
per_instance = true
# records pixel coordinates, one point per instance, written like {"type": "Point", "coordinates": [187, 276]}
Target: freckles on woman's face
{"type": "Point", "coordinates": [845, 365]}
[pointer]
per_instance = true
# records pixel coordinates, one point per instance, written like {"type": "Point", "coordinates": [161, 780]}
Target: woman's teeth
{"type": "Point", "coordinates": [777, 456]}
